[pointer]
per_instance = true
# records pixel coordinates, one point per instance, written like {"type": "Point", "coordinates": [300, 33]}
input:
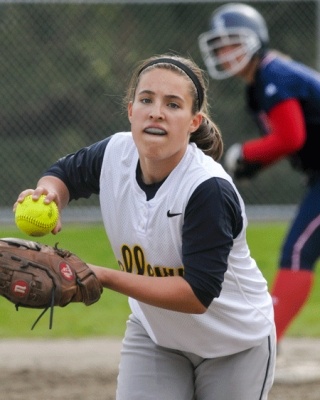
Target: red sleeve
{"type": "Point", "coordinates": [288, 134]}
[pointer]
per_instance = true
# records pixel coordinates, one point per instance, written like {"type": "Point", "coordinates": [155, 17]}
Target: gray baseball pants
{"type": "Point", "coordinates": [151, 372]}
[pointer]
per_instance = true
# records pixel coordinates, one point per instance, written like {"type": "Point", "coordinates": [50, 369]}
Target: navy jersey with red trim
{"type": "Point", "coordinates": [279, 79]}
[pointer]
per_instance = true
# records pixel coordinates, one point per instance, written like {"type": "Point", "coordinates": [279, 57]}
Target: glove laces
{"type": "Point", "coordinates": [51, 306]}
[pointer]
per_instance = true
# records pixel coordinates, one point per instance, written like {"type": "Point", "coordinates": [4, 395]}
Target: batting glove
{"type": "Point", "coordinates": [236, 166]}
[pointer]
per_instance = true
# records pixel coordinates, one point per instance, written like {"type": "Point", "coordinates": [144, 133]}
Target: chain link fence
{"type": "Point", "coordinates": [64, 67]}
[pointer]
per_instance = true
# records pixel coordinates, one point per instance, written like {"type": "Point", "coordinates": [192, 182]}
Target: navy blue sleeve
{"type": "Point", "coordinates": [212, 220]}
{"type": "Point", "coordinates": [80, 171]}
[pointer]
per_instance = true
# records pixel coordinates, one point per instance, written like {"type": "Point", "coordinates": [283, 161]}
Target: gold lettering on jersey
{"type": "Point", "coordinates": [165, 271]}
{"type": "Point", "coordinates": [134, 262]}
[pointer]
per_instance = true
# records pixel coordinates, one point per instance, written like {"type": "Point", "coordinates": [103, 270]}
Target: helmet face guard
{"type": "Point", "coordinates": [246, 45]}
{"type": "Point", "coordinates": [242, 29]}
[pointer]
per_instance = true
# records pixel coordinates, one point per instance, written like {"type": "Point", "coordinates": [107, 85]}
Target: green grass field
{"type": "Point", "coordinates": [108, 316]}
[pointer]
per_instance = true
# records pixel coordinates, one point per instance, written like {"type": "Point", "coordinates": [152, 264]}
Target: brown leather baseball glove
{"type": "Point", "coordinates": [35, 275]}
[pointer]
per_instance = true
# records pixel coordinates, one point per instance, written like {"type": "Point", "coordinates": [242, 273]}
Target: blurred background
{"type": "Point", "coordinates": [65, 65]}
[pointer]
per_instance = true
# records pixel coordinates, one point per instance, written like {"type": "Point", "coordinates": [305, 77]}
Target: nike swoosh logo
{"type": "Point", "coordinates": [169, 214]}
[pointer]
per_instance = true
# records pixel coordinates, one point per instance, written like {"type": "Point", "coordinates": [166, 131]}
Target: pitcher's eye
{"type": "Point", "coordinates": [173, 105]}
{"type": "Point", "coordinates": [145, 100]}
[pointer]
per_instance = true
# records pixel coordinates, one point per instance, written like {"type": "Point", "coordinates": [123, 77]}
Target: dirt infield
{"type": "Point", "coordinates": [87, 369]}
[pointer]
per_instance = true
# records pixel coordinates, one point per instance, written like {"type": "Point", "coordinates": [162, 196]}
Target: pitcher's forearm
{"type": "Point", "coordinates": [172, 293]}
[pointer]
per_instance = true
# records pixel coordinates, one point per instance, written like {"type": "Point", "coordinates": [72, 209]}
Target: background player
{"type": "Point", "coordinates": [201, 311]}
{"type": "Point", "coordinates": [284, 98]}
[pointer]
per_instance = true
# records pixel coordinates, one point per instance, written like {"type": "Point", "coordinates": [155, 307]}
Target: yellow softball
{"type": "Point", "coordinates": [35, 218]}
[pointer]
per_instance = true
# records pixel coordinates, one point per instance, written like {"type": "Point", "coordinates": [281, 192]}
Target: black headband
{"type": "Point", "coordinates": [184, 68]}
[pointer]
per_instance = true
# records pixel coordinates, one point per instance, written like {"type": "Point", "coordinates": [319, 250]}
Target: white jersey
{"type": "Point", "coordinates": [146, 241]}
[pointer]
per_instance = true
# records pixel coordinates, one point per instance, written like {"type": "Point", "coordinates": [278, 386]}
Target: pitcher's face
{"type": "Point", "coordinates": [161, 115]}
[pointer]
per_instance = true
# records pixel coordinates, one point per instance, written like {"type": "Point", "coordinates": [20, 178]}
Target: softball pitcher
{"type": "Point", "coordinates": [202, 323]}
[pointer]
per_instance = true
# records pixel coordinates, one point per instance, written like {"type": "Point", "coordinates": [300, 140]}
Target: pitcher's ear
{"type": "Point", "coordinates": [130, 110]}
{"type": "Point", "coordinates": [196, 122]}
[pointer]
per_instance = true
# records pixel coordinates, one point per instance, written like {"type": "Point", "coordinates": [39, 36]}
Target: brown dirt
{"type": "Point", "coordinates": [87, 369]}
